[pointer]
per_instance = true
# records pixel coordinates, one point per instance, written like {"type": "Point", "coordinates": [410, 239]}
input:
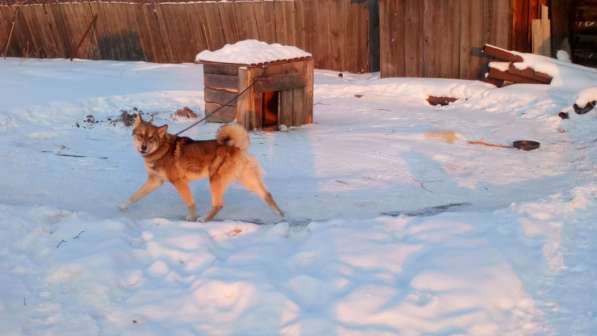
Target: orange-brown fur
{"type": "Point", "coordinates": [180, 160]}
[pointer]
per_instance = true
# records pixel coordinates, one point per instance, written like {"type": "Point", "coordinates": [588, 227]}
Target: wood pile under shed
{"type": "Point", "coordinates": [505, 72]}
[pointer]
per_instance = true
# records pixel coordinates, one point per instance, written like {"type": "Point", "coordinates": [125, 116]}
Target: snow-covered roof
{"type": "Point", "coordinates": [252, 52]}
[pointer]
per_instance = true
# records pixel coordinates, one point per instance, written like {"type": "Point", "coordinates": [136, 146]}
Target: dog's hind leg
{"type": "Point", "coordinates": [251, 179]}
{"type": "Point", "coordinates": [152, 183]}
{"type": "Point", "coordinates": [217, 186]}
{"type": "Point", "coordinates": [187, 197]}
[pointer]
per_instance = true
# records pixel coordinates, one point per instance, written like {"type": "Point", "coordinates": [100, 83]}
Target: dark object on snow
{"type": "Point", "coordinates": [358, 95]}
{"type": "Point", "coordinates": [341, 75]}
{"type": "Point", "coordinates": [90, 119]}
{"type": "Point", "coordinates": [185, 113]}
{"type": "Point", "coordinates": [526, 145]}
{"type": "Point", "coordinates": [564, 115]}
{"type": "Point", "coordinates": [128, 119]}
{"type": "Point", "coordinates": [585, 109]}
{"type": "Point", "coordinates": [443, 101]}
{"type": "Point", "coordinates": [431, 211]}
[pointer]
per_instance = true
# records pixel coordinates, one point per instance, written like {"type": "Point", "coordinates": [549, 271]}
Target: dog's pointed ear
{"type": "Point", "coordinates": [138, 119]}
{"type": "Point", "coordinates": [162, 130]}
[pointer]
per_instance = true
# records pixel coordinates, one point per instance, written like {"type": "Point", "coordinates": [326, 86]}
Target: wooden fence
{"type": "Point", "coordinates": [336, 32]}
{"type": "Point", "coordinates": [438, 38]}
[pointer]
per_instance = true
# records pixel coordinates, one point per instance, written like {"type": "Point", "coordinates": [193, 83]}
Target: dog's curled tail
{"type": "Point", "coordinates": [233, 135]}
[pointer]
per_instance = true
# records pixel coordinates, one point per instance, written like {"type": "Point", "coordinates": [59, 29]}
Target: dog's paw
{"type": "Point", "coordinates": [123, 207]}
{"type": "Point", "coordinates": [191, 218]}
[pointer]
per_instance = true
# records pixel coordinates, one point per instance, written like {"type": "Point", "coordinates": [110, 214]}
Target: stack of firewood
{"type": "Point", "coordinates": [504, 72]}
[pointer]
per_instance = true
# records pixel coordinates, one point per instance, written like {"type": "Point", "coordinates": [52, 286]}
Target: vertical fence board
{"type": "Point", "coordinates": [279, 21]}
{"type": "Point", "coordinates": [198, 28]}
{"type": "Point", "coordinates": [336, 32]}
{"type": "Point", "coordinates": [44, 33]}
{"type": "Point", "coordinates": [299, 24]}
{"type": "Point", "coordinates": [433, 38]}
{"type": "Point", "coordinates": [413, 52]}
{"type": "Point", "coordinates": [226, 12]}
{"type": "Point", "coordinates": [309, 17]}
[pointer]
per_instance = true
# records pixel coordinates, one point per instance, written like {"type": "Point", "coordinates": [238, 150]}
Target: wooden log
{"type": "Point", "coordinates": [494, 81]}
{"type": "Point", "coordinates": [221, 82]}
{"type": "Point", "coordinates": [510, 77]}
{"type": "Point", "coordinates": [220, 68]}
{"type": "Point", "coordinates": [279, 82]}
{"type": "Point", "coordinates": [221, 97]}
{"type": "Point", "coordinates": [531, 74]}
{"type": "Point", "coordinates": [501, 54]}
{"type": "Point", "coordinates": [225, 113]}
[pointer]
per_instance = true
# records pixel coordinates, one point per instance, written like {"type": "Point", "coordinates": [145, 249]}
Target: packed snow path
{"type": "Point", "coordinates": [517, 257]}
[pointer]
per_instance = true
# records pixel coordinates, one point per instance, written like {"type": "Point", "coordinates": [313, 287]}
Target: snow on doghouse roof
{"type": "Point", "coordinates": [251, 52]}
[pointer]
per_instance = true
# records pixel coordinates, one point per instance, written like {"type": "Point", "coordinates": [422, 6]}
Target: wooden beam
{"type": "Point", "coordinates": [279, 82]}
{"type": "Point", "coordinates": [530, 74]}
{"type": "Point", "coordinates": [220, 69]}
{"type": "Point", "coordinates": [221, 82]}
{"type": "Point", "coordinates": [221, 97]}
{"type": "Point", "coordinates": [501, 54]}
{"type": "Point", "coordinates": [509, 77]}
{"type": "Point", "coordinates": [494, 81]}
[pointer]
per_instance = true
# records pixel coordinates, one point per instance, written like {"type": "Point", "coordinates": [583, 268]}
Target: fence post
{"type": "Point", "coordinates": [12, 29]}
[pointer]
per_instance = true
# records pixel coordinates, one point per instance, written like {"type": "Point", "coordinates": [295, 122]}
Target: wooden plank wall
{"type": "Point", "coordinates": [435, 38]}
{"type": "Point", "coordinates": [334, 31]}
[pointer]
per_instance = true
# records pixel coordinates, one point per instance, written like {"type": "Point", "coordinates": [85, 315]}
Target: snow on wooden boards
{"type": "Point", "coordinates": [505, 71]}
{"type": "Point", "coordinates": [335, 31]}
{"type": "Point", "coordinates": [432, 38]}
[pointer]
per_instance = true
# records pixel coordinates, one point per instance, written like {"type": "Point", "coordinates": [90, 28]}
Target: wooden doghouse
{"type": "Point", "coordinates": [280, 89]}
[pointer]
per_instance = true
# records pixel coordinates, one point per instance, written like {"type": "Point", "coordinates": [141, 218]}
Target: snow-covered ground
{"type": "Point", "coordinates": [389, 230]}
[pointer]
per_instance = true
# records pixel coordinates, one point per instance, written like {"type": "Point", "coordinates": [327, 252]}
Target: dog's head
{"type": "Point", "coordinates": [147, 138]}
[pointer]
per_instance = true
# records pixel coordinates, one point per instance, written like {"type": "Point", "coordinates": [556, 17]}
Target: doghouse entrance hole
{"type": "Point", "coordinates": [270, 108]}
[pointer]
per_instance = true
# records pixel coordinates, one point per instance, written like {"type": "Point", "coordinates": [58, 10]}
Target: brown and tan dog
{"type": "Point", "coordinates": [180, 160]}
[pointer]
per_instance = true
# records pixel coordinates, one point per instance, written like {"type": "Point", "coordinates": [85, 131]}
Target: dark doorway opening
{"type": "Point", "coordinates": [270, 110]}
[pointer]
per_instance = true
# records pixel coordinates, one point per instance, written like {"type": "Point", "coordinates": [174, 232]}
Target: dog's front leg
{"type": "Point", "coordinates": [187, 197]}
{"type": "Point", "coordinates": [152, 183]}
